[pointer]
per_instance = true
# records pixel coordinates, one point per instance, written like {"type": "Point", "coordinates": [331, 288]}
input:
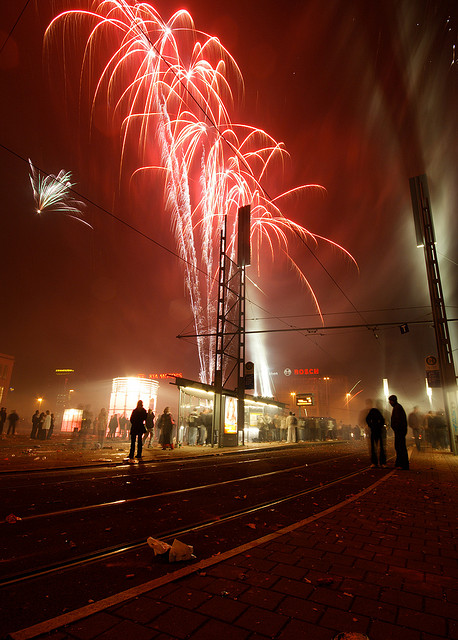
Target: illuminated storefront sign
{"type": "Point", "coordinates": [161, 376]}
{"type": "Point", "coordinates": [305, 399]}
{"type": "Point", "coordinates": [311, 371]}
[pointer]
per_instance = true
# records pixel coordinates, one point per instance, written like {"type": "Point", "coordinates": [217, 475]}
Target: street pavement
{"type": "Point", "coordinates": [381, 564]}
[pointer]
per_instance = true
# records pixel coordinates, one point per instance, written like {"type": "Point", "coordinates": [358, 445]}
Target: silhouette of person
{"type": "Point", "coordinates": [166, 424]}
{"type": "Point", "coordinates": [46, 426]}
{"type": "Point", "coordinates": [415, 420]}
{"type": "Point", "coordinates": [137, 429]}
{"type": "Point", "coordinates": [113, 425]}
{"type": "Point", "coordinates": [2, 419]}
{"type": "Point", "coordinates": [399, 426]}
{"type": "Point", "coordinates": [13, 419]}
{"type": "Point", "coordinates": [102, 419]}
{"type": "Point", "coordinates": [376, 423]}
{"type": "Point", "coordinates": [149, 427]}
{"type": "Point", "coordinates": [35, 424]}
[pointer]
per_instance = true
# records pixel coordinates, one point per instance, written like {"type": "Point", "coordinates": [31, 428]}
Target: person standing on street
{"type": "Point", "coordinates": [102, 420]}
{"type": "Point", "coordinates": [165, 425]}
{"type": "Point", "coordinates": [415, 420]}
{"type": "Point", "coordinates": [376, 423]}
{"type": "Point", "coordinates": [35, 423]}
{"type": "Point", "coordinates": [13, 419]}
{"type": "Point", "coordinates": [399, 426]}
{"type": "Point", "coordinates": [149, 428]}
{"type": "Point", "coordinates": [291, 424]}
{"type": "Point", "coordinates": [2, 419]}
{"type": "Point", "coordinates": [137, 429]}
{"type": "Point", "coordinates": [46, 426]}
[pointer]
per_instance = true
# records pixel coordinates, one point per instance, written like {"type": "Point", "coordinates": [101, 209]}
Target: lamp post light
{"type": "Point", "coordinates": [39, 400]}
{"type": "Point", "coordinates": [429, 393]}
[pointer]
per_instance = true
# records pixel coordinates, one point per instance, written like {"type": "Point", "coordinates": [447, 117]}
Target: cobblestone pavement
{"type": "Point", "coordinates": [383, 563]}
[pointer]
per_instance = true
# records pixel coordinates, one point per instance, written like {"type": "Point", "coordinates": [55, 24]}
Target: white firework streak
{"type": "Point", "coordinates": [53, 193]}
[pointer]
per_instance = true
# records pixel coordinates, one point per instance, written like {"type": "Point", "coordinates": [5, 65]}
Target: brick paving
{"type": "Point", "coordinates": [384, 564]}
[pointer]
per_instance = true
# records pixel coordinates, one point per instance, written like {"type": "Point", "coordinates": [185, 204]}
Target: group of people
{"type": "Point", "coordinates": [142, 427]}
{"type": "Point", "coordinates": [432, 425]}
{"type": "Point", "coordinates": [42, 425]}
{"type": "Point", "coordinates": [200, 428]}
{"type": "Point", "coordinates": [12, 418]}
{"type": "Point", "coordinates": [376, 423]}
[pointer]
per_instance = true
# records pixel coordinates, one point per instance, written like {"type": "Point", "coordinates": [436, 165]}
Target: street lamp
{"type": "Point", "coordinates": [39, 400]}
{"type": "Point", "coordinates": [429, 393]}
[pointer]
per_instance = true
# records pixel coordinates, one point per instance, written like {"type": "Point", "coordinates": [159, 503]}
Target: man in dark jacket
{"type": "Point", "coordinates": [2, 419]}
{"type": "Point", "coordinates": [13, 419]}
{"type": "Point", "coordinates": [137, 420]}
{"type": "Point", "coordinates": [376, 423]}
{"type": "Point", "coordinates": [399, 426]}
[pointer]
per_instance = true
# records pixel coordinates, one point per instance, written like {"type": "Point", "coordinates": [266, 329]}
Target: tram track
{"type": "Point", "coordinates": [184, 490]}
{"type": "Point", "coordinates": [159, 462]}
{"type": "Point", "coordinates": [168, 535]}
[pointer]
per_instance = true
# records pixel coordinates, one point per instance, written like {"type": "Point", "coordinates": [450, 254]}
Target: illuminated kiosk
{"type": "Point", "coordinates": [197, 399]}
{"type": "Point", "coordinates": [126, 392]}
{"type": "Point", "coordinates": [71, 420]}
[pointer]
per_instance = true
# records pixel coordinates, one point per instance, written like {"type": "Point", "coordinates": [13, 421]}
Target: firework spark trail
{"type": "Point", "coordinates": [53, 193]}
{"type": "Point", "coordinates": [171, 86]}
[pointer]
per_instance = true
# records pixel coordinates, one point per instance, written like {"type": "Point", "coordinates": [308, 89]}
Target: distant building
{"type": "Point", "coordinates": [6, 370]}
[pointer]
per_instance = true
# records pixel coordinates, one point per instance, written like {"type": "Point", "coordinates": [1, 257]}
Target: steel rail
{"type": "Point", "coordinates": [126, 501]}
{"type": "Point", "coordinates": [108, 552]}
{"type": "Point", "coordinates": [212, 453]}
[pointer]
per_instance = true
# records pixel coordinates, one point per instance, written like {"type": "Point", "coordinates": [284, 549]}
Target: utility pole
{"type": "Point", "coordinates": [424, 230]}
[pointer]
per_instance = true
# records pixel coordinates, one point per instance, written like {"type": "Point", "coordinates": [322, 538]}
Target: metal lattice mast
{"type": "Point", "coordinates": [425, 236]}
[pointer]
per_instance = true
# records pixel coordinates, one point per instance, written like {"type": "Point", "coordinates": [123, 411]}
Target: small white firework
{"type": "Point", "coordinates": [53, 193]}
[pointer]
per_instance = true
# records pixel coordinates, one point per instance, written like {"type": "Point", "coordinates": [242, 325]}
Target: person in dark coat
{"type": "Point", "coordinates": [376, 423]}
{"type": "Point", "coordinates": [166, 424]}
{"type": "Point", "coordinates": [149, 428]}
{"type": "Point", "coordinates": [35, 424]}
{"type": "Point", "coordinates": [2, 419]}
{"type": "Point", "coordinates": [13, 419]}
{"type": "Point", "coordinates": [112, 426]}
{"type": "Point", "coordinates": [399, 426]}
{"type": "Point", "coordinates": [137, 429]}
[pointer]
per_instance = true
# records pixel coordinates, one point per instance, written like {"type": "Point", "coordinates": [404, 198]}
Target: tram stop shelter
{"type": "Point", "coordinates": [199, 421]}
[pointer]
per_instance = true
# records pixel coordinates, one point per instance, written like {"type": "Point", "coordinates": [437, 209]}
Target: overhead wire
{"type": "Point", "coordinates": [14, 26]}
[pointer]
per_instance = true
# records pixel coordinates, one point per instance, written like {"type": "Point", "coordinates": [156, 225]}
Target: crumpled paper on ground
{"type": "Point", "coordinates": [177, 552]}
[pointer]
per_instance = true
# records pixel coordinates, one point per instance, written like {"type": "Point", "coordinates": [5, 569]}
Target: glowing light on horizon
{"type": "Point", "coordinates": [386, 391]}
{"type": "Point", "coordinates": [53, 193]}
{"type": "Point", "coordinates": [429, 392]}
{"type": "Point", "coordinates": [173, 88]}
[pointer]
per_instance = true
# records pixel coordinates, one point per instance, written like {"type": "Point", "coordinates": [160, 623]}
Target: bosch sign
{"type": "Point", "coordinates": [302, 372]}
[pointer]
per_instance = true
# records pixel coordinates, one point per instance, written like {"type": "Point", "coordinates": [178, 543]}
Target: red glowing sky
{"type": "Point", "coordinates": [364, 95]}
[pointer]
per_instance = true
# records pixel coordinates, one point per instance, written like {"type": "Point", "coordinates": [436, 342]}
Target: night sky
{"type": "Point", "coordinates": [363, 94]}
